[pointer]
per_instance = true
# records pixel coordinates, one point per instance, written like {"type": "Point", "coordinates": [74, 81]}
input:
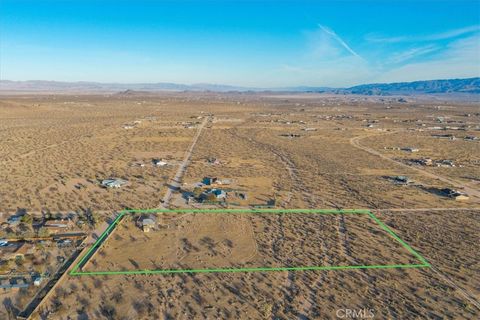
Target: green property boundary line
{"type": "Point", "coordinates": [76, 270]}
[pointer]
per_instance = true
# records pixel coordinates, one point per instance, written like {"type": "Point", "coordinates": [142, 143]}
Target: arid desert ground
{"type": "Point", "coordinates": [414, 162]}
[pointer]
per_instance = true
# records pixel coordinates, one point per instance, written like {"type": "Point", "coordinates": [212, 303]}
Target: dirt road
{"type": "Point", "coordinates": [469, 190]}
{"type": "Point", "coordinates": [175, 183]}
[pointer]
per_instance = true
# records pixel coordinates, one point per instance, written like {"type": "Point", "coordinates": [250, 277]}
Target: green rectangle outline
{"type": "Point", "coordinates": [424, 263]}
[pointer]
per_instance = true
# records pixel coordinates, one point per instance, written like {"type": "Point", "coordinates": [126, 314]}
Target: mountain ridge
{"type": "Point", "coordinates": [466, 85]}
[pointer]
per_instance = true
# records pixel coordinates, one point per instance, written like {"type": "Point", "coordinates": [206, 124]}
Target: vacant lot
{"type": "Point", "coordinates": [303, 151]}
{"type": "Point", "coordinates": [55, 152]}
{"type": "Point", "coordinates": [216, 240]}
{"type": "Point", "coordinates": [304, 157]}
{"type": "Point", "coordinates": [449, 238]}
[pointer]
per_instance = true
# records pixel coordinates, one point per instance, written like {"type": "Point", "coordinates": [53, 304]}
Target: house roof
{"type": "Point", "coordinates": [113, 182]}
{"type": "Point", "coordinates": [216, 192]}
{"type": "Point", "coordinates": [148, 222]}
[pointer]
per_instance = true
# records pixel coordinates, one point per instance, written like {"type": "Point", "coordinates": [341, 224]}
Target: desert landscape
{"type": "Point", "coordinates": [239, 160]}
{"type": "Point", "coordinates": [212, 240]}
{"type": "Point", "coordinates": [79, 160]}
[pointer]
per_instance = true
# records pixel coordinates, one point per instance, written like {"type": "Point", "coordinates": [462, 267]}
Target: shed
{"type": "Point", "coordinates": [113, 183]}
{"type": "Point", "coordinates": [209, 180]}
{"type": "Point", "coordinates": [402, 180]}
{"type": "Point", "coordinates": [148, 224]}
{"type": "Point", "coordinates": [159, 163]}
{"type": "Point", "coordinates": [455, 194]}
{"type": "Point", "coordinates": [217, 193]}
{"type": "Point", "coordinates": [37, 280]}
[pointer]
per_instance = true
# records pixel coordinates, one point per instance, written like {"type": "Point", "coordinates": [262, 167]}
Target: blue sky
{"type": "Point", "coordinates": [248, 43]}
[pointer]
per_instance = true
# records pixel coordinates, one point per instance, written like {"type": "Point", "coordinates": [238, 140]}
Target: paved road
{"type": "Point", "coordinates": [175, 183]}
{"type": "Point", "coordinates": [469, 190]}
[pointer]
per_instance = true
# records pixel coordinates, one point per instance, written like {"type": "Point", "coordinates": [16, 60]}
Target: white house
{"type": "Point", "coordinates": [113, 183]}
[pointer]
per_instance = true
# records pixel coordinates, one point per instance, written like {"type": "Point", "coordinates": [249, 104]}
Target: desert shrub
{"type": "Point", "coordinates": [108, 311]}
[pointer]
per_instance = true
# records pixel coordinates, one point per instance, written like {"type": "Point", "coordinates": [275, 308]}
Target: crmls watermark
{"type": "Point", "coordinates": [364, 313]}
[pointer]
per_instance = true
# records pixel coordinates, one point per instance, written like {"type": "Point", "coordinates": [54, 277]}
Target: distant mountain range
{"type": "Point", "coordinates": [470, 85]}
{"type": "Point", "coordinates": [458, 86]}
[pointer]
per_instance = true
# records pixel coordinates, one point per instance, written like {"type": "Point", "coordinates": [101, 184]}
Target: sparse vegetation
{"type": "Point", "coordinates": [57, 149]}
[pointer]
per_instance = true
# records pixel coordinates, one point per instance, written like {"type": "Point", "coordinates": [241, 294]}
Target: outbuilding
{"type": "Point", "coordinates": [113, 183]}
{"type": "Point", "coordinates": [148, 224]}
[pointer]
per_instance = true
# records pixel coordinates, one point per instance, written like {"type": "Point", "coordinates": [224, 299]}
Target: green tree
{"type": "Point", "coordinates": [95, 218]}
{"type": "Point", "coordinates": [19, 261]}
{"type": "Point", "coordinates": [27, 219]}
{"type": "Point", "coordinates": [43, 232]}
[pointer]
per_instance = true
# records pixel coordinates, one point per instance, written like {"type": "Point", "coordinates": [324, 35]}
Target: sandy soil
{"type": "Point", "coordinates": [202, 241]}
{"type": "Point", "coordinates": [51, 144]}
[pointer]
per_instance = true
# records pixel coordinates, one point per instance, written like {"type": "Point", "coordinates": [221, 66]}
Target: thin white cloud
{"type": "Point", "coordinates": [453, 33]}
{"type": "Point", "coordinates": [327, 60]}
{"type": "Point", "coordinates": [412, 53]}
{"type": "Point", "coordinates": [339, 40]}
{"type": "Point", "coordinates": [424, 38]}
{"type": "Point", "coordinates": [330, 61]}
{"type": "Point", "coordinates": [461, 59]}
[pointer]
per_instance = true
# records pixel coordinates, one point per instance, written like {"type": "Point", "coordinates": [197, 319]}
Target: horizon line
{"type": "Point", "coordinates": [232, 85]}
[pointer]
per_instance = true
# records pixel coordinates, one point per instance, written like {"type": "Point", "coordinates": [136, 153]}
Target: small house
{"type": "Point", "coordinates": [213, 161]}
{"type": "Point", "coordinates": [58, 225]}
{"type": "Point", "coordinates": [148, 224]}
{"type": "Point", "coordinates": [219, 193]}
{"type": "Point", "coordinates": [290, 135]}
{"type": "Point", "coordinates": [445, 163]}
{"type": "Point", "coordinates": [113, 183]}
{"type": "Point", "coordinates": [455, 194]}
{"type": "Point", "coordinates": [471, 138]}
{"type": "Point", "coordinates": [37, 280]}
{"type": "Point", "coordinates": [137, 164]}
{"type": "Point", "coordinates": [61, 243]}
{"type": "Point", "coordinates": [445, 136]}
{"type": "Point", "coordinates": [209, 180]}
{"type": "Point", "coordinates": [213, 194]}
{"type": "Point", "coordinates": [159, 163]}
{"type": "Point", "coordinates": [271, 202]}
{"type": "Point", "coordinates": [425, 162]}
{"type": "Point", "coordinates": [402, 180]}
